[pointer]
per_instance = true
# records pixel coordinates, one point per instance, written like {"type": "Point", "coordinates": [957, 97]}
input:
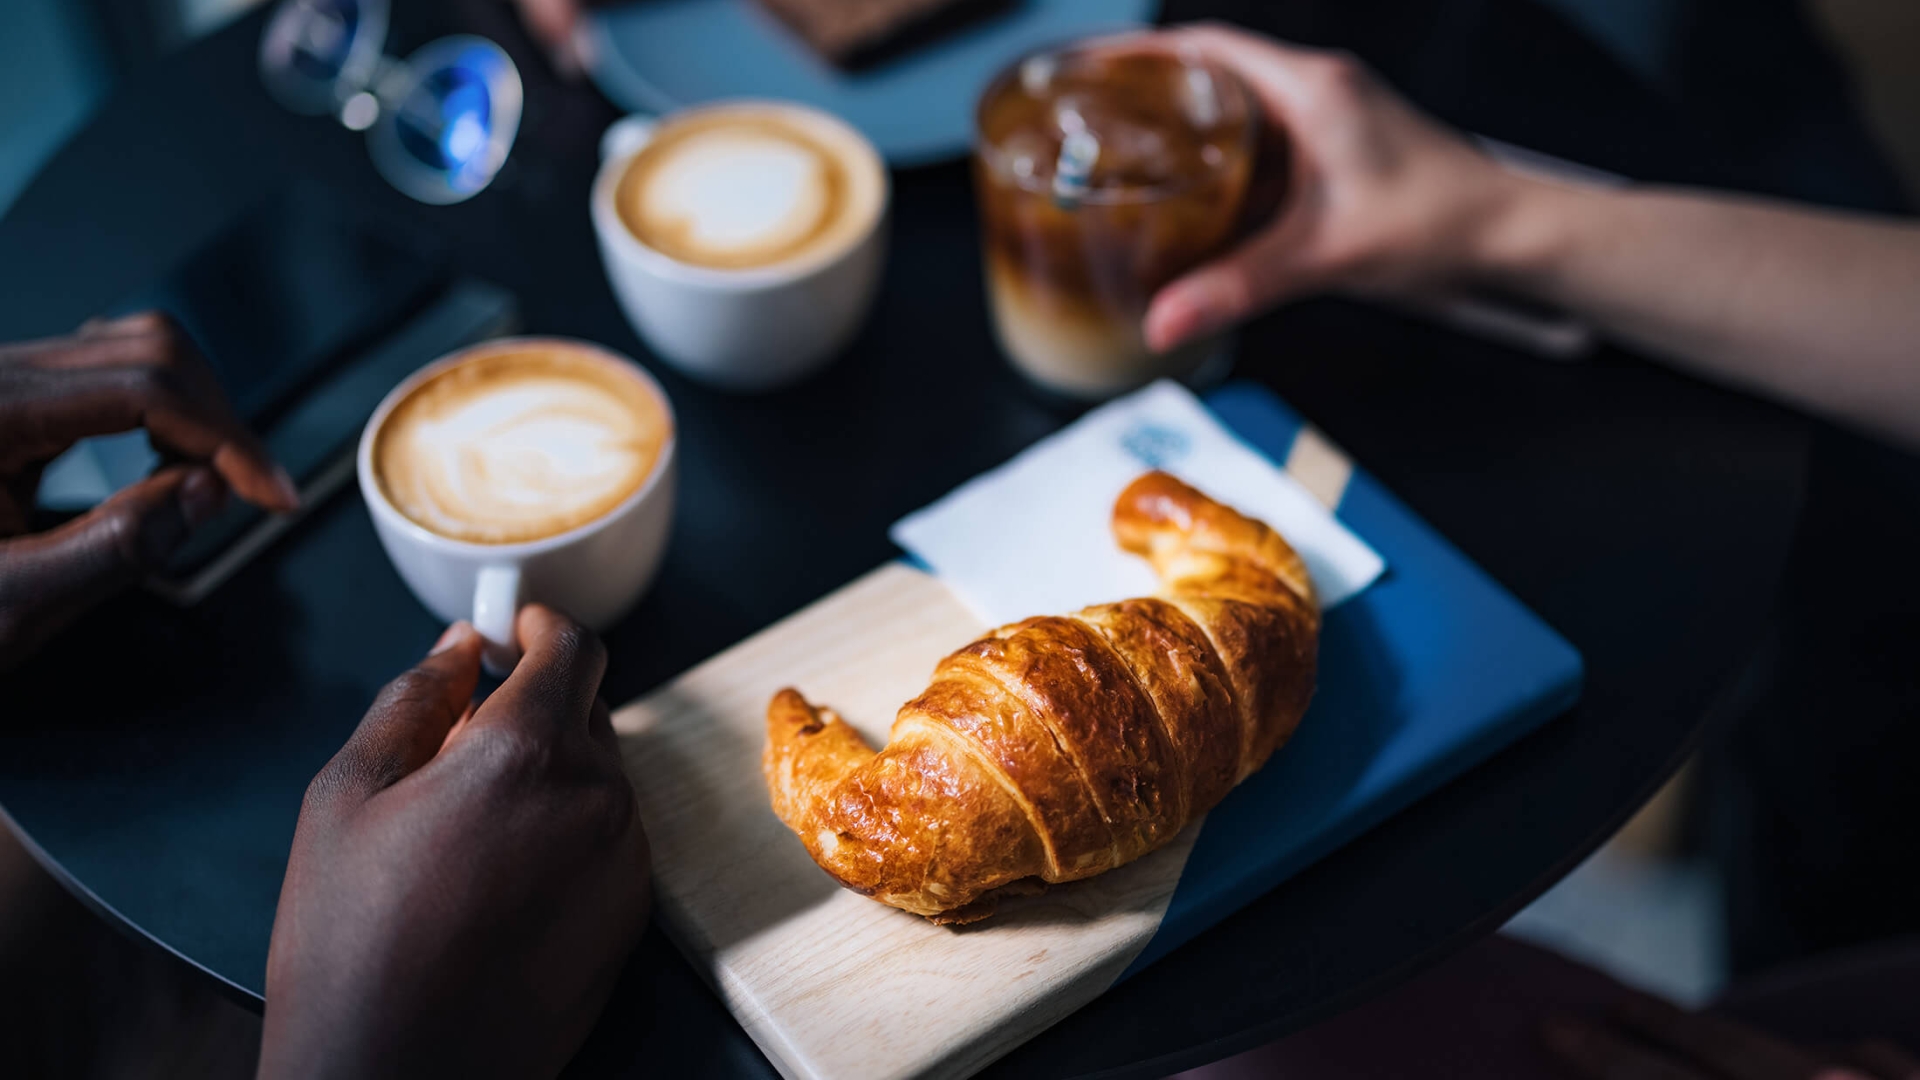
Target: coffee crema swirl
{"type": "Point", "coordinates": [520, 444]}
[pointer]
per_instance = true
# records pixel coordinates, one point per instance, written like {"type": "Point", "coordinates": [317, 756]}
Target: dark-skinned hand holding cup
{"type": "Point", "coordinates": [465, 882]}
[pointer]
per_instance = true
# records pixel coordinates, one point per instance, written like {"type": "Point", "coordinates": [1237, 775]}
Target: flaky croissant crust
{"type": "Point", "coordinates": [1063, 746]}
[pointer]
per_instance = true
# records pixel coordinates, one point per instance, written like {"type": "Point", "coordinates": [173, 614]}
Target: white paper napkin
{"type": "Point", "coordinates": [1033, 537]}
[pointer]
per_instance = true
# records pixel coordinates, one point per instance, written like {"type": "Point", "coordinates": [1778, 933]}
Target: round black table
{"type": "Point", "coordinates": [155, 758]}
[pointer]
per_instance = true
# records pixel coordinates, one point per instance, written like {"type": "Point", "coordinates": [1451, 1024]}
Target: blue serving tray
{"type": "Point", "coordinates": [1424, 674]}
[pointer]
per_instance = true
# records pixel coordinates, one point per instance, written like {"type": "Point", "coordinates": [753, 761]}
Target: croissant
{"type": "Point", "coordinates": [1064, 746]}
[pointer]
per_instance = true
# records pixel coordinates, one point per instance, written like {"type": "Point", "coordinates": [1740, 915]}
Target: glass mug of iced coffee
{"type": "Point", "coordinates": [1104, 171]}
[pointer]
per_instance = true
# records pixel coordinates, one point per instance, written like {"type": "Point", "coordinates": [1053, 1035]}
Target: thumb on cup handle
{"type": "Point", "coordinates": [496, 600]}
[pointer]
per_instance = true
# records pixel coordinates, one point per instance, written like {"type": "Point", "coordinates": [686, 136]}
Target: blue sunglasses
{"type": "Point", "coordinates": [439, 123]}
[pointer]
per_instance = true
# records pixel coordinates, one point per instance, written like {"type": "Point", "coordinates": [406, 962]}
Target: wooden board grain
{"type": "Point", "coordinates": [829, 983]}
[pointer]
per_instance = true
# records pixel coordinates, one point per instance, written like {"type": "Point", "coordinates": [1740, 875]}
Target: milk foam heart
{"type": "Point", "coordinates": [747, 187]}
{"type": "Point", "coordinates": [518, 445]}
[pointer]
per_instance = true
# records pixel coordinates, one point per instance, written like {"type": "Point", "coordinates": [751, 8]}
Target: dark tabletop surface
{"type": "Point", "coordinates": [156, 757]}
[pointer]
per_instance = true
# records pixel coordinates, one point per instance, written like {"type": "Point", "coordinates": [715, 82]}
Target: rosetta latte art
{"type": "Point", "coordinates": [511, 448]}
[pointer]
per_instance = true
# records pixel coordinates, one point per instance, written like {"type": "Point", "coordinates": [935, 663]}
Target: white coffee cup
{"type": "Point", "coordinates": [595, 572]}
{"type": "Point", "coordinates": [752, 328]}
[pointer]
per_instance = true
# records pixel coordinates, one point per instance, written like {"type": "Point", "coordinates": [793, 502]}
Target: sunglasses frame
{"type": "Point", "coordinates": [293, 21]}
{"type": "Point", "coordinates": [371, 91]}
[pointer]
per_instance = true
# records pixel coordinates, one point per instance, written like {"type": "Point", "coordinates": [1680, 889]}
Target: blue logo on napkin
{"type": "Point", "coordinates": [1155, 446]}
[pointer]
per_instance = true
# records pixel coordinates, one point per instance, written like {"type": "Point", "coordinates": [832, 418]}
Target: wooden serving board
{"type": "Point", "coordinates": [1425, 673]}
{"type": "Point", "coordinates": [829, 983]}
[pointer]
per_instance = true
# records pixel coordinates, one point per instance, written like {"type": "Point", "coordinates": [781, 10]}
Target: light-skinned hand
{"type": "Point", "coordinates": [1381, 200]}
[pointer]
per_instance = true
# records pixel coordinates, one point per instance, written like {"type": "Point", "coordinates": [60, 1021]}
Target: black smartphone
{"type": "Point", "coordinates": [308, 313]}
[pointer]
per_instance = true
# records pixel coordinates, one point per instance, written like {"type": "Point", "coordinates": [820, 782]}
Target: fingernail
{"type": "Point", "coordinates": [453, 635]}
{"type": "Point", "coordinates": [289, 491]}
{"type": "Point", "coordinates": [1204, 316]}
{"type": "Point", "coordinates": [1163, 312]}
{"type": "Point", "coordinates": [202, 496]}
{"type": "Point", "coordinates": [1182, 312]}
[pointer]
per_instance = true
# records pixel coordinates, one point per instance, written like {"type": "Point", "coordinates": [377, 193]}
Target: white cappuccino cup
{"type": "Point", "coordinates": [522, 470]}
{"type": "Point", "coordinates": [743, 240]}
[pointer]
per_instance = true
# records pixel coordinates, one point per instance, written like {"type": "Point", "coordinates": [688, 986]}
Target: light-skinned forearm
{"type": "Point", "coordinates": [1816, 308]}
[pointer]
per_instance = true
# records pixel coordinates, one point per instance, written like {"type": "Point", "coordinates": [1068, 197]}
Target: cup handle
{"type": "Point", "coordinates": [626, 135]}
{"type": "Point", "coordinates": [496, 600]}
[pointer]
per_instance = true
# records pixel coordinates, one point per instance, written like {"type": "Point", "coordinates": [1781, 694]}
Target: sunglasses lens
{"type": "Point", "coordinates": [316, 53]}
{"type": "Point", "coordinates": [453, 122]}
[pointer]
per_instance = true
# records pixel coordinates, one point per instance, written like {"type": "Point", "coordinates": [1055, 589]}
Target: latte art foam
{"type": "Point", "coordinates": [545, 449]}
{"type": "Point", "coordinates": [745, 186]}
{"type": "Point", "coordinates": [514, 446]}
{"type": "Point", "coordinates": [734, 194]}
